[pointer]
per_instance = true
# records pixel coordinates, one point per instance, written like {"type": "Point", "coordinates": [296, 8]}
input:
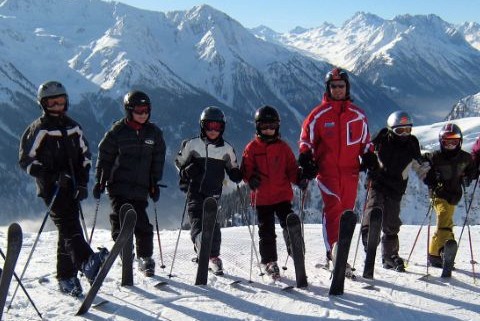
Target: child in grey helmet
{"type": "Point", "coordinates": [202, 162]}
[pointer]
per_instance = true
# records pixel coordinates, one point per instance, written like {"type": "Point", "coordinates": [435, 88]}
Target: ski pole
{"type": "Point", "coordinates": [97, 205]}
{"type": "Point", "coordinates": [23, 288]}
{"type": "Point", "coordinates": [82, 219]}
{"type": "Point", "coordinates": [158, 236]}
{"type": "Point", "coordinates": [419, 230]}
{"type": "Point", "coordinates": [428, 243]}
{"type": "Point", "coordinates": [467, 209]}
{"type": "Point", "coordinates": [361, 220]}
{"type": "Point", "coordinates": [472, 261]}
{"type": "Point", "coordinates": [170, 275]}
{"type": "Point", "coordinates": [49, 208]}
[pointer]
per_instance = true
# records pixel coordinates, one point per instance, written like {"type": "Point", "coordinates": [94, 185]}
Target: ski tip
{"type": "Point", "coordinates": [287, 288]}
{"type": "Point", "coordinates": [160, 284]}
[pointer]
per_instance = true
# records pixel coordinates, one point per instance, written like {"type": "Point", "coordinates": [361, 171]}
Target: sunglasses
{"type": "Point", "coordinates": [214, 126]}
{"type": "Point", "coordinates": [333, 86]}
{"type": "Point", "coordinates": [450, 143]}
{"type": "Point", "coordinates": [57, 101]}
{"type": "Point", "coordinates": [403, 130]}
{"type": "Point", "coordinates": [265, 126]}
{"type": "Point", "coordinates": [141, 110]}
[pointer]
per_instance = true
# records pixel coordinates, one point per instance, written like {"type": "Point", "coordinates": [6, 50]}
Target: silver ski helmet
{"type": "Point", "coordinates": [267, 117]}
{"type": "Point", "coordinates": [450, 137]}
{"type": "Point", "coordinates": [337, 74]}
{"type": "Point", "coordinates": [51, 89]}
{"type": "Point", "coordinates": [400, 123]}
{"type": "Point", "coordinates": [135, 98]}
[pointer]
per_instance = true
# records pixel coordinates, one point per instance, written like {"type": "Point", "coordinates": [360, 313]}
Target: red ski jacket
{"type": "Point", "coordinates": [276, 165]}
{"type": "Point", "coordinates": [337, 133]}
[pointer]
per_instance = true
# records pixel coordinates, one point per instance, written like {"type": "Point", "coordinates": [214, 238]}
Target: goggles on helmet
{"type": "Point", "coordinates": [402, 130]}
{"type": "Point", "coordinates": [213, 126]}
{"type": "Point", "coordinates": [450, 143]}
{"type": "Point", "coordinates": [141, 110]}
{"type": "Point", "coordinates": [264, 126]}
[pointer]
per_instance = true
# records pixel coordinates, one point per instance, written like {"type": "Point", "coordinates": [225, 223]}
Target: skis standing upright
{"type": "Point", "coordinates": [204, 239]}
{"type": "Point", "coordinates": [126, 232]}
{"type": "Point", "coordinates": [14, 239]}
{"type": "Point", "coordinates": [297, 248]}
{"type": "Point", "coordinates": [347, 226]}
{"type": "Point", "coordinates": [374, 228]}
{"type": "Point", "coordinates": [127, 251]}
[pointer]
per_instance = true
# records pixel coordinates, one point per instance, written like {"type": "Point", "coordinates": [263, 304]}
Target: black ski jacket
{"type": "Point", "coordinates": [50, 146]}
{"type": "Point", "coordinates": [131, 161]}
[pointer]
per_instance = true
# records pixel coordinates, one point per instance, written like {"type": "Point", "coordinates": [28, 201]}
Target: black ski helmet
{"type": "Point", "coordinates": [450, 131]}
{"type": "Point", "coordinates": [212, 113]}
{"type": "Point", "coordinates": [135, 98]}
{"type": "Point", "coordinates": [267, 114]}
{"type": "Point", "coordinates": [337, 74]}
{"type": "Point", "coordinates": [51, 89]}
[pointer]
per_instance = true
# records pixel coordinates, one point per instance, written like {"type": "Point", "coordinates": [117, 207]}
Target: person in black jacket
{"type": "Point", "coordinates": [130, 164]}
{"type": "Point", "coordinates": [54, 150]}
{"type": "Point", "coordinates": [397, 151]}
{"type": "Point", "coordinates": [202, 162]}
{"type": "Point", "coordinates": [451, 167]}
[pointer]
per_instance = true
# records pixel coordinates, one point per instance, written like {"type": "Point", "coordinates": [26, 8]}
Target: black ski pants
{"type": "Point", "coordinates": [72, 249]}
{"type": "Point", "coordinates": [266, 229]}
{"type": "Point", "coordinates": [390, 221]}
{"type": "Point", "coordinates": [143, 229]}
{"type": "Point", "coordinates": [195, 214]}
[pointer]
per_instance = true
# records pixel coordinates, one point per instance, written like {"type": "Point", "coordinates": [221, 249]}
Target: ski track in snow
{"type": "Point", "coordinates": [396, 296]}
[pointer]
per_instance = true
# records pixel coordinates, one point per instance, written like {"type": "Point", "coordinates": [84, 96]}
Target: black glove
{"type": "Point", "coordinates": [432, 179]}
{"type": "Point", "coordinates": [154, 193]}
{"type": "Point", "coordinates": [466, 181]}
{"type": "Point", "coordinates": [373, 175]}
{"type": "Point", "coordinates": [190, 172]}
{"type": "Point", "coordinates": [64, 179]}
{"type": "Point", "coordinates": [303, 184]}
{"type": "Point", "coordinates": [98, 190]}
{"type": "Point", "coordinates": [183, 185]}
{"type": "Point", "coordinates": [308, 165]}
{"type": "Point", "coordinates": [235, 175]}
{"type": "Point", "coordinates": [370, 162]}
{"type": "Point", "coordinates": [254, 181]}
{"type": "Point", "coordinates": [81, 193]}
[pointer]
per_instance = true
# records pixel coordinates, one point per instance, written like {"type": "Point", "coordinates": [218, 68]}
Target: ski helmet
{"type": "Point", "coordinates": [212, 114]}
{"type": "Point", "coordinates": [400, 123]}
{"type": "Point", "coordinates": [135, 98]}
{"type": "Point", "coordinates": [269, 116]}
{"type": "Point", "coordinates": [337, 74]}
{"type": "Point", "coordinates": [51, 89]}
{"type": "Point", "coordinates": [450, 137]}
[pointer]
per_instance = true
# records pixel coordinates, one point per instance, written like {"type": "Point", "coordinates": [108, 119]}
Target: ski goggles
{"type": "Point", "coordinates": [402, 130]}
{"type": "Point", "coordinates": [217, 126]}
{"type": "Point", "coordinates": [265, 126]}
{"type": "Point", "coordinates": [335, 86]}
{"type": "Point", "coordinates": [56, 101]}
{"type": "Point", "coordinates": [450, 143]}
{"type": "Point", "coordinates": [141, 110]}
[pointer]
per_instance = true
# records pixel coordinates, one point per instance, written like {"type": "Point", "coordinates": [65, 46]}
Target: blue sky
{"type": "Point", "coordinates": [286, 15]}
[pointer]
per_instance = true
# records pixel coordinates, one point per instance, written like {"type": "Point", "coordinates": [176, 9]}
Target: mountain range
{"type": "Point", "coordinates": [187, 60]}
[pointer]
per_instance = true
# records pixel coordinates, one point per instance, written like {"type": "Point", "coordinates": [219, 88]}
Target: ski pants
{"type": "Point", "coordinates": [195, 214]}
{"type": "Point", "coordinates": [72, 249]}
{"type": "Point", "coordinates": [338, 195]}
{"type": "Point", "coordinates": [444, 229]}
{"type": "Point", "coordinates": [143, 229]}
{"type": "Point", "coordinates": [390, 221]}
{"type": "Point", "coordinates": [266, 229]}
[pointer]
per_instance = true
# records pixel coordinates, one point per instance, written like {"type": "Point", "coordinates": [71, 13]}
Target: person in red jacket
{"type": "Point", "coordinates": [269, 167]}
{"type": "Point", "coordinates": [333, 139]}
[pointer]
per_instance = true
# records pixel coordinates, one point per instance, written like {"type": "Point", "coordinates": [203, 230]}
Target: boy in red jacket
{"type": "Point", "coordinates": [269, 167]}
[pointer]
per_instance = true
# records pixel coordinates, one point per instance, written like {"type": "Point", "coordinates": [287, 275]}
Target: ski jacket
{"type": "Point", "coordinates": [211, 160]}
{"type": "Point", "coordinates": [276, 165]}
{"type": "Point", "coordinates": [337, 134]}
{"type": "Point", "coordinates": [130, 160]}
{"type": "Point", "coordinates": [54, 145]}
{"type": "Point", "coordinates": [476, 152]}
{"type": "Point", "coordinates": [446, 174]}
{"type": "Point", "coordinates": [396, 156]}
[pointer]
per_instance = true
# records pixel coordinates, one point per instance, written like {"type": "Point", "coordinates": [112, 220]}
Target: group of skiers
{"type": "Point", "coordinates": [334, 146]}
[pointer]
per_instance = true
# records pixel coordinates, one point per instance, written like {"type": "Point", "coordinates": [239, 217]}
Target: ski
{"type": "Point", "coordinates": [374, 229]}
{"type": "Point", "coordinates": [297, 249]}
{"type": "Point", "coordinates": [127, 251]}
{"type": "Point", "coordinates": [348, 221]}
{"type": "Point", "coordinates": [14, 245]}
{"type": "Point", "coordinates": [126, 232]}
{"type": "Point", "coordinates": [449, 253]}
{"type": "Point", "coordinates": [204, 239]}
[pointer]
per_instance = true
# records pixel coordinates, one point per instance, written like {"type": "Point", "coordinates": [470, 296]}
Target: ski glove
{"type": "Point", "coordinates": [81, 193]}
{"type": "Point", "coordinates": [154, 193]}
{"type": "Point", "coordinates": [98, 190]}
{"type": "Point", "coordinates": [466, 181]}
{"type": "Point", "coordinates": [63, 179]}
{"type": "Point", "coordinates": [308, 165]}
{"type": "Point", "coordinates": [254, 181]}
{"type": "Point", "coordinates": [235, 175]}
{"type": "Point", "coordinates": [370, 162]}
{"type": "Point", "coordinates": [190, 172]}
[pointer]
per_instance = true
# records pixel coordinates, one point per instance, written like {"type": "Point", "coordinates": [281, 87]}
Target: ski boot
{"type": "Point", "coordinates": [348, 268]}
{"type": "Point", "coordinates": [147, 266]}
{"type": "Point", "coordinates": [216, 265]}
{"type": "Point", "coordinates": [272, 270]}
{"type": "Point", "coordinates": [71, 286]}
{"type": "Point", "coordinates": [92, 265]}
{"type": "Point", "coordinates": [435, 261]}
{"type": "Point", "coordinates": [394, 262]}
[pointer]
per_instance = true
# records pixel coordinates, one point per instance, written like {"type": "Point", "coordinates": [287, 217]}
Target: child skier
{"type": "Point", "coordinates": [451, 167]}
{"type": "Point", "coordinates": [130, 164]}
{"type": "Point", "coordinates": [269, 167]}
{"type": "Point", "coordinates": [397, 151]}
{"type": "Point", "coordinates": [202, 162]}
{"type": "Point", "coordinates": [54, 150]}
